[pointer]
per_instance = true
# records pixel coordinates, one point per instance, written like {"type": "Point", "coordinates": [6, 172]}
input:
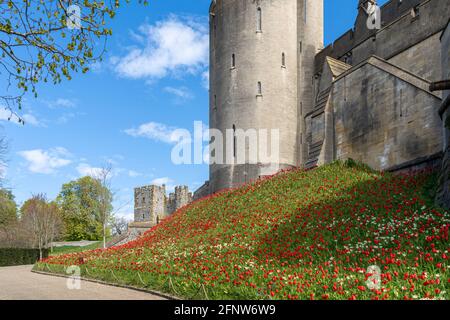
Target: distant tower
{"type": "Point", "coordinates": [261, 76]}
{"type": "Point", "coordinates": [178, 199]}
{"type": "Point", "coordinates": [149, 204]}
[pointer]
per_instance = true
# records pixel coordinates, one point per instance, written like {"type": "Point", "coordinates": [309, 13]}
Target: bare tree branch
{"type": "Point", "coordinates": [37, 46]}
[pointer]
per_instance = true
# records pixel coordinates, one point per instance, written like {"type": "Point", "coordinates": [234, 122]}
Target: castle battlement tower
{"type": "Point", "coordinates": [261, 77]}
{"type": "Point", "coordinates": [149, 204]}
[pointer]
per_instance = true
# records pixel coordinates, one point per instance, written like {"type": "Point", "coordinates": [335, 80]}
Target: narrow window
{"type": "Point", "coordinates": [234, 141]}
{"type": "Point", "coordinates": [415, 12]}
{"type": "Point", "coordinates": [259, 20]}
{"type": "Point", "coordinates": [233, 60]}
{"type": "Point", "coordinates": [283, 59]}
{"type": "Point", "coordinates": [301, 46]}
{"type": "Point", "coordinates": [259, 88]}
{"type": "Point", "coordinates": [215, 102]}
{"type": "Point", "coordinates": [143, 216]}
{"type": "Point", "coordinates": [214, 26]}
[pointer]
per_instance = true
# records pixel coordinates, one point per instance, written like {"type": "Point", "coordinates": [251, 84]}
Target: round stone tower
{"type": "Point", "coordinates": [261, 78]}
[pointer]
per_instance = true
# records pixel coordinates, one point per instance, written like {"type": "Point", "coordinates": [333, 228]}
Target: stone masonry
{"type": "Point", "coordinates": [151, 204]}
{"type": "Point", "coordinates": [365, 96]}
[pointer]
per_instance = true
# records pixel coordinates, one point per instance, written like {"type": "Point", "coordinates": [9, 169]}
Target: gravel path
{"type": "Point", "coordinates": [19, 283]}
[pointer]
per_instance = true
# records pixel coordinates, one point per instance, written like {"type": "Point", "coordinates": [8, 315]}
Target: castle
{"type": "Point", "coordinates": [151, 205]}
{"type": "Point", "coordinates": [366, 96]}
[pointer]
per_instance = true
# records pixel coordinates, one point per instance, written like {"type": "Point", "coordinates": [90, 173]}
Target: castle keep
{"type": "Point", "coordinates": [366, 96]}
{"type": "Point", "coordinates": [151, 205]}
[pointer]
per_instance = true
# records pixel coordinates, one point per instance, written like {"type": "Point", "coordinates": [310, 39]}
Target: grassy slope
{"type": "Point", "coordinates": [75, 249]}
{"type": "Point", "coordinates": [299, 235]}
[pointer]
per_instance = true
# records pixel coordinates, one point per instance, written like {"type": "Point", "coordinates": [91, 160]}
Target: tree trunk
{"type": "Point", "coordinates": [104, 236]}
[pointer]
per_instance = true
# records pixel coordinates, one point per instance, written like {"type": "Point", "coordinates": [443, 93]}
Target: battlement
{"type": "Point", "coordinates": [403, 24]}
{"type": "Point", "coordinates": [151, 203]}
{"type": "Point", "coordinates": [178, 199]}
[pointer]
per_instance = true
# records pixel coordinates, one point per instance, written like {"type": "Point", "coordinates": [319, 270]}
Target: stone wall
{"type": "Point", "coordinates": [443, 192]}
{"type": "Point", "coordinates": [400, 31]}
{"type": "Point", "coordinates": [202, 192]}
{"type": "Point", "coordinates": [422, 59]}
{"type": "Point", "coordinates": [289, 29]}
{"type": "Point", "coordinates": [178, 199]}
{"type": "Point", "coordinates": [149, 203]}
{"type": "Point", "coordinates": [384, 116]}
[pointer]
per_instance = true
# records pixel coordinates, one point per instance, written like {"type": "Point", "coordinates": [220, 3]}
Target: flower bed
{"type": "Point", "coordinates": [298, 235]}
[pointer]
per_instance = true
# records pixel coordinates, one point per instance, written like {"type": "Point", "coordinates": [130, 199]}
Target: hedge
{"type": "Point", "coordinates": [18, 256]}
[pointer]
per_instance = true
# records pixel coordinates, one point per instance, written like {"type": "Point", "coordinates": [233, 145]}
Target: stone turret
{"type": "Point", "coordinates": [261, 69]}
{"type": "Point", "coordinates": [178, 199]}
{"type": "Point", "coordinates": [149, 204]}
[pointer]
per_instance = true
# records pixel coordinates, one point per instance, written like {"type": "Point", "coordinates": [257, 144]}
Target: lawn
{"type": "Point", "coordinates": [318, 234]}
{"type": "Point", "coordinates": [74, 249]}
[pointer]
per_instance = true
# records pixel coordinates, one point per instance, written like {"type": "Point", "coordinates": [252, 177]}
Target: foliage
{"type": "Point", "coordinates": [119, 226]}
{"type": "Point", "coordinates": [299, 235]}
{"type": "Point", "coordinates": [3, 151]}
{"type": "Point", "coordinates": [19, 256]}
{"type": "Point", "coordinates": [43, 219]}
{"type": "Point", "coordinates": [8, 208]}
{"type": "Point", "coordinates": [81, 209]}
{"type": "Point", "coordinates": [38, 44]}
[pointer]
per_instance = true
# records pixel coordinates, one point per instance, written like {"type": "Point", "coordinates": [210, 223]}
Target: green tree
{"type": "Point", "coordinates": [42, 219]}
{"type": "Point", "coordinates": [8, 208]}
{"type": "Point", "coordinates": [81, 204]}
{"type": "Point", "coordinates": [3, 151]}
{"type": "Point", "coordinates": [103, 177]}
{"type": "Point", "coordinates": [48, 41]}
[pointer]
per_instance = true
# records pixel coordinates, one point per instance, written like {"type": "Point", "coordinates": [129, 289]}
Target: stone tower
{"type": "Point", "coordinates": [178, 199]}
{"type": "Point", "coordinates": [149, 204]}
{"type": "Point", "coordinates": [261, 77]}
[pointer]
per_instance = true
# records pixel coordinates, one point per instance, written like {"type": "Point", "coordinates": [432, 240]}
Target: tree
{"type": "Point", "coordinates": [49, 40]}
{"type": "Point", "coordinates": [80, 203]}
{"type": "Point", "coordinates": [119, 226]}
{"type": "Point", "coordinates": [42, 219]}
{"type": "Point", "coordinates": [105, 199]}
{"type": "Point", "coordinates": [3, 151]}
{"type": "Point", "coordinates": [8, 219]}
{"type": "Point", "coordinates": [8, 208]}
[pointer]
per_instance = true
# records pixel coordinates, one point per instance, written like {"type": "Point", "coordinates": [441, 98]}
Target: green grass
{"type": "Point", "coordinates": [75, 249]}
{"type": "Point", "coordinates": [299, 235]}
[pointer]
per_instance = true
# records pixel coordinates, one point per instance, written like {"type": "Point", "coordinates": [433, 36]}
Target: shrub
{"type": "Point", "coordinates": [18, 256]}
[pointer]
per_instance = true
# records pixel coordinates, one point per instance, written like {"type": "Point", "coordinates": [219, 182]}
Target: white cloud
{"type": "Point", "coordinates": [61, 102]}
{"type": "Point", "coordinates": [205, 79]}
{"type": "Point", "coordinates": [168, 182]}
{"type": "Point", "coordinates": [87, 170]}
{"type": "Point", "coordinates": [7, 115]}
{"type": "Point", "coordinates": [134, 174]}
{"type": "Point", "coordinates": [182, 92]}
{"type": "Point", "coordinates": [46, 161]}
{"type": "Point", "coordinates": [174, 46]}
{"type": "Point", "coordinates": [161, 181]}
{"type": "Point", "coordinates": [30, 119]}
{"type": "Point", "coordinates": [155, 131]}
{"type": "Point", "coordinates": [125, 211]}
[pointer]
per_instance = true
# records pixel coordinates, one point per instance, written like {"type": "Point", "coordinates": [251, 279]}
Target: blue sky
{"type": "Point", "coordinates": [152, 80]}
